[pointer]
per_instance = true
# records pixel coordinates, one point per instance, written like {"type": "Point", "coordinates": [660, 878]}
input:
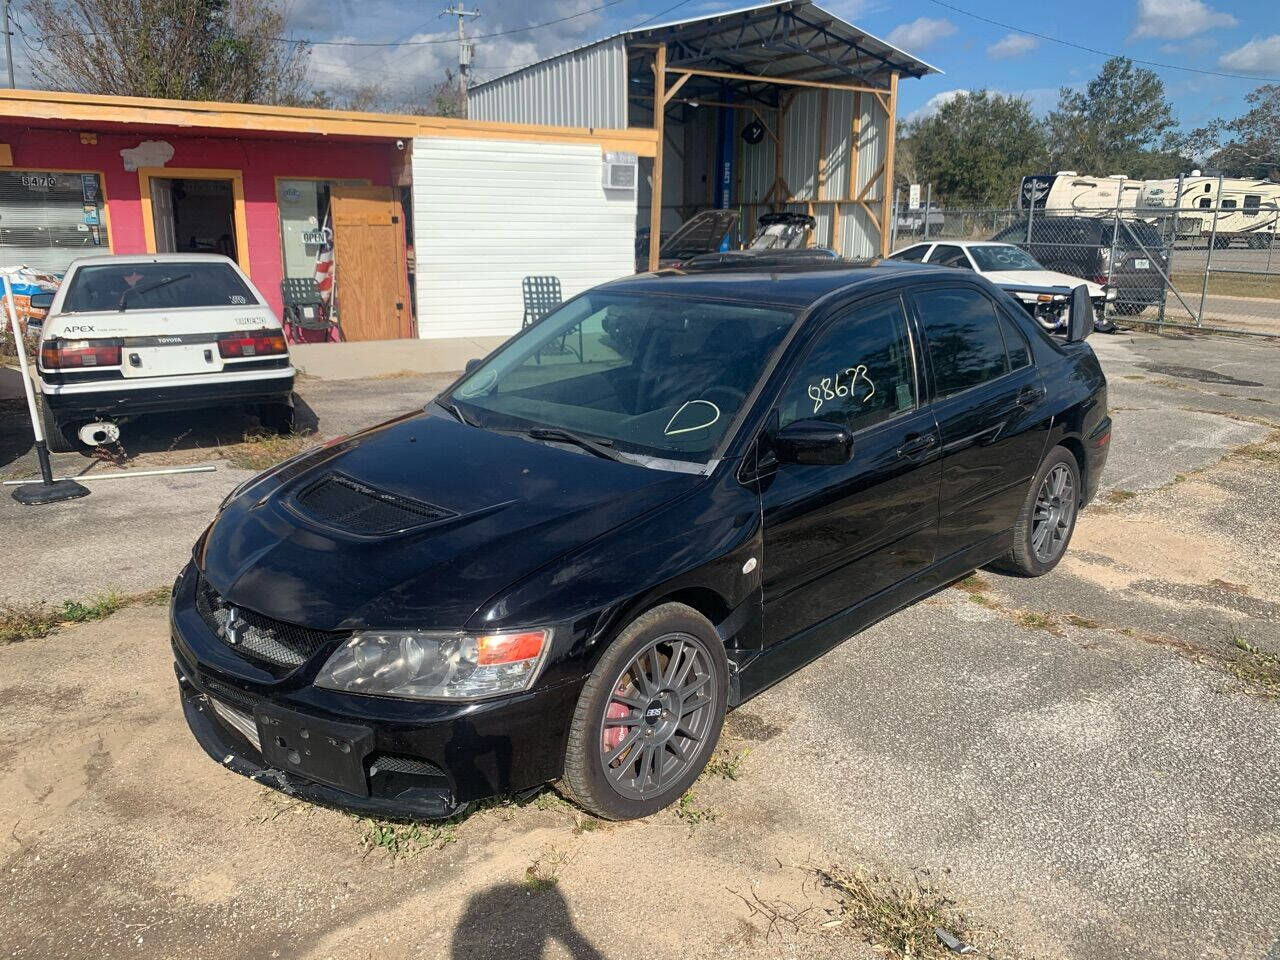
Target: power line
{"type": "Point", "coordinates": [661, 13]}
{"type": "Point", "coordinates": [427, 43]}
{"type": "Point", "coordinates": [1102, 53]}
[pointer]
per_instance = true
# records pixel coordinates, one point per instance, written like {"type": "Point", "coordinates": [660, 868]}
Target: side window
{"type": "Point", "coordinates": [965, 345]}
{"type": "Point", "coordinates": [913, 254]}
{"type": "Point", "coordinates": [948, 255]}
{"type": "Point", "coordinates": [1228, 204]}
{"type": "Point", "coordinates": [1253, 201]}
{"type": "Point", "coordinates": [1205, 203]}
{"type": "Point", "coordinates": [858, 372]}
{"type": "Point", "coordinates": [1015, 342]}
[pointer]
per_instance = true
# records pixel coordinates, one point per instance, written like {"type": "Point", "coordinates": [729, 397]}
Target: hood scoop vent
{"type": "Point", "coordinates": [338, 501]}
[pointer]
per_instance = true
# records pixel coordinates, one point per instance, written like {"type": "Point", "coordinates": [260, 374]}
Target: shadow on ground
{"type": "Point", "coordinates": [512, 920]}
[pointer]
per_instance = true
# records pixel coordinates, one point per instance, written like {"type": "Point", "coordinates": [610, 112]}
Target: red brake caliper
{"type": "Point", "coordinates": [613, 735]}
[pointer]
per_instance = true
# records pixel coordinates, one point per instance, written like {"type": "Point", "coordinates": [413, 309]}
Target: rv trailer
{"type": "Point", "coordinates": [1068, 193]}
{"type": "Point", "coordinates": [1247, 210]}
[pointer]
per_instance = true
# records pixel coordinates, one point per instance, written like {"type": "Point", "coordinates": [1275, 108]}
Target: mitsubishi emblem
{"type": "Point", "coordinates": [234, 630]}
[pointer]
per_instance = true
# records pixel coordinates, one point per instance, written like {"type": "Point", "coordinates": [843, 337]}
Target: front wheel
{"type": "Point", "coordinates": [649, 715]}
{"type": "Point", "coordinates": [1047, 518]}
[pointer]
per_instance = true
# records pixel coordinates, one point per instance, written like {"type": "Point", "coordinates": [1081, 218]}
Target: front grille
{"type": "Point", "coordinates": [263, 638]}
{"type": "Point", "coordinates": [394, 763]}
{"type": "Point", "coordinates": [339, 501]}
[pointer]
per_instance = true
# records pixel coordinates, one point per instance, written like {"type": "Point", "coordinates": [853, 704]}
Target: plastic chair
{"type": "Point", "coordinates": [541, 296]}
{"type": "Point", "coordinates": [306, 317]}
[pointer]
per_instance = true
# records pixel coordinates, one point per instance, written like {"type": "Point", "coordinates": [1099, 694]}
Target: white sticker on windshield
{"type": "Point", "coordinates": [828, 388]}
{"type": "Point", "coordinates": [475, 389]}
{"type": "Point", "coordinates": [701, 414]}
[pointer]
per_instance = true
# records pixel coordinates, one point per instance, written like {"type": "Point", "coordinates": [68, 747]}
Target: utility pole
{"type": "Point", "coordinates": [8, 42]}
{"type": "Point", "coordinates": [466, 48]}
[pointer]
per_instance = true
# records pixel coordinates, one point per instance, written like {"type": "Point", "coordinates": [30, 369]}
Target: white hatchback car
{"type": "Point", "coordinates": [1006, 265]}
{"type": "Point", "coordinates": [129, 335]}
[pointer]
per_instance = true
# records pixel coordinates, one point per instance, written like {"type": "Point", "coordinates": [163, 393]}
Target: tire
{"type": "Point", "coordinates": [665, 731]}
{"type": "Point", "coordinates": [277, 417]}
{"type": "Point", "coordinates": [1023, 558]}
{"type": "Point", "coordinates": [55, 433]}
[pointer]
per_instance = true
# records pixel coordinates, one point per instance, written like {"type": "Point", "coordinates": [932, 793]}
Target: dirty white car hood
{"type": "Point", "coordinates": [1042, 278]}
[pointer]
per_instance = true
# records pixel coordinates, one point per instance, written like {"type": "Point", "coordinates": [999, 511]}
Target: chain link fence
{"type": "Point", "coordinates": [1210, 267]}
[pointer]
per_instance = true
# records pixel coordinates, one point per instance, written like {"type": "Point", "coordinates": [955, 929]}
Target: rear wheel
{"type": "Point", "coordinates": [56, 434]}
{"type": "Point", "coordinates": [1047, 518]}
{"type": "Point", "coordinates": [649, 715]}
{"type": "Point", "coordinates": [276, 417]}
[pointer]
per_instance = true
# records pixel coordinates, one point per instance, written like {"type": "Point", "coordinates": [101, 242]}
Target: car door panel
{"type": "Point", "coordinates": [835, 535]}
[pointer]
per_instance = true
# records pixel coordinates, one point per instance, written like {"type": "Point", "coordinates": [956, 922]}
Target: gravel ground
{"type": "Point", "coordinates": [1078, 761]}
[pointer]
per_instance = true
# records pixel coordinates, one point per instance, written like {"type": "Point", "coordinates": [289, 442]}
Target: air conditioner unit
{"type": "Point", "coordinates": [621, 171]}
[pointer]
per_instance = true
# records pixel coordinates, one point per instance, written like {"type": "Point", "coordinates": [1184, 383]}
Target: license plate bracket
{"type": "Point", "coordinates": [1142, 264]}
{"type": "Point", "coordinates": [330, 752]}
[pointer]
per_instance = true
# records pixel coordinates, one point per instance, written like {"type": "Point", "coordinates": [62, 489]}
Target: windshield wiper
{"type": "Point", "coordinates": [457, 412]}
{"type": "Point", "coordinates": [599, 447]}
{"type": "Point", "coordinates": [124, 297]}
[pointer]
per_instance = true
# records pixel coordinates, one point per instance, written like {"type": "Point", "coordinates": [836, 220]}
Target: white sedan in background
{"type": "Point", "coordinates": [1006, 265]}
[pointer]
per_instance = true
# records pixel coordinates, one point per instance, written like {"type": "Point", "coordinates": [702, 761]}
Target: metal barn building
{"type": "Point", "coordinates": [778, 106]}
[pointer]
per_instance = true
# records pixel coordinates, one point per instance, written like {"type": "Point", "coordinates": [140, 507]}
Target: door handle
{"type": "Point", "coordinates": [916, 443]}
{"type": "Point", "coordinates": [1029, 395]}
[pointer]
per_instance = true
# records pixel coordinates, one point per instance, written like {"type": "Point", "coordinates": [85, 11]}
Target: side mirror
{"type": "Point", "coordinates": [472, 364]}
{"type": "Point", "coordinates": [813, 442]}
{"type": "Point", "coordinates": [41, 301]}
{"type": "Point", "coordinates": [1080, 316]}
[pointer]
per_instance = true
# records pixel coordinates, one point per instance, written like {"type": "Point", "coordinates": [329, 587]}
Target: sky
{"type": "Point", "coordinates": [1218, 36]}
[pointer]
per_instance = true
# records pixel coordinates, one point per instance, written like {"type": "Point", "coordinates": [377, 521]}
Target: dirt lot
{"type": "Point", "coordinates": [1083, 765]}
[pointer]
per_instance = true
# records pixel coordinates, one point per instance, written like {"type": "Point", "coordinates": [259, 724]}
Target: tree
{"type": "Point", "coordinates": [976, 148]}
{"type": "Point", "coordinates": [1249, 145]}
{"type": "Point", "coordinates": [1120, 123]}
{"type": "Point", "coordinates": [440, 99]}
{"type": "Point", "coordinates": [182, 49]}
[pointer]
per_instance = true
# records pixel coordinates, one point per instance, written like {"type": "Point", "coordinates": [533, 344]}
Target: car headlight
{"type": "Point", "coordinates": [432, 665]}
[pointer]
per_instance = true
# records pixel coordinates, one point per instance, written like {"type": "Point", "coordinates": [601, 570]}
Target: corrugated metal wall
{"type": "Point", "coordinates": [487, 213]}
{"type": "Point", "coordinates": [584, 88]}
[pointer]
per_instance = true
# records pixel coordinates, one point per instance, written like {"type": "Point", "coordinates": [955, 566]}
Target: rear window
{"type": "Point", "coordinates": [150, 286]}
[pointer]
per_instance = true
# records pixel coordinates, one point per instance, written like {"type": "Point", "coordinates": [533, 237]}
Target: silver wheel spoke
{"type": "Point", "coordinates": [621, 748]}
{"type": "Point", "coordinates": [677, 651]}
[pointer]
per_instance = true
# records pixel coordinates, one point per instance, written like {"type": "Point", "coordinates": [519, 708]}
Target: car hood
{"type": "Point", "coordinates": [1042, 278]}
{"type": "Point", "coordinates": [512, 504]}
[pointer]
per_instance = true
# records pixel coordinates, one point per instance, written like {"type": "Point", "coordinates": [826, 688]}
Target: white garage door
{"type": "Point", "coordinates": [486, 214]}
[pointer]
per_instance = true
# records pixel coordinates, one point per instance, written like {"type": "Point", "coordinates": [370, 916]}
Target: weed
{"type": "Point", "coordinates": [1038, 621]}
{"type": "Point", "coordinates": [399, 840]}
{"type": "Point", "coordinates": [898, 919]}
{"type": "Point", "coordinates": [1255, 667]}
{"type": "Point", "coordinates": [550, 800]}
{"type": "Point", "coordinates": [974, 583]}
{"type": "Point", "coordinates": [725, 765]}
{"type": "Point", "coordinates": [262, 449]}
{"type": "Point", "coordinates": [30, 621]}
{"type": "Point", "coordinates": [1120, 496]}
{"type": "Point", "coordinates": [691, 813]}
{"type": "Point", "coordinates": [586, 824]}
{"type": "Point", "coordinates": [1134, 376]}
{"type": "Point", "coordinates": [544, 872]}
{"type": "Point", "coordinates": [1087, 623]}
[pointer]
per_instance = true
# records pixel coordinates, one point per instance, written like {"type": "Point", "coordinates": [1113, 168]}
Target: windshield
{"type": "Point", "coordinates": [658, 376]}
{"type": "Point", "coordinates": [1003, 257]}
{"type": "Point", "coordinates": [150, 286]}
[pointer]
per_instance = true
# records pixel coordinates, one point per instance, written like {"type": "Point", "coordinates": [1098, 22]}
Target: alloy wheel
{"type": "Point", "coordinates": [659, 715]}
{"type": "Point", "coordinates": [1055, 509]}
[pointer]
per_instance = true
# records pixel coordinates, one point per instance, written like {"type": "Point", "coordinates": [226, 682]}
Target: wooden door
{"type": "Point", "coordinates": [162, 215]}
{"type": "Point", "coordinates": [368, 258]}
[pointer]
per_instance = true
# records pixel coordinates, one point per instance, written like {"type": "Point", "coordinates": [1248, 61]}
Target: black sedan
{"type": "Point", "coordinates": [668, 495]}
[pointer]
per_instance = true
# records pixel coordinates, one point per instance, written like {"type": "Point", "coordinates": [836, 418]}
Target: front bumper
{"type": "Point", "coordinates": [407, 758]}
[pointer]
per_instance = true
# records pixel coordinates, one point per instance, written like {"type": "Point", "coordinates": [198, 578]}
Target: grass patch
{"type": "Point", "coordinates": [1228, 284]}
{"type": "Point", "coordinates": [1266, 450]}
{"type": "Point", "coordinates": [1255, 667]}
{"type": "Point", "coordinates": [900, 920]}
{"type": "Point", "coordinates": [403, 840]}
{"type": "Point", "coordinates": [262, 449]}
{"type": "Point", "coordinates": [1120, 496]}
{"type": "Point", "coordinates": [1085, 623]}
{"type": "Point", "coordinates": [725, 765]}
{"type": "Point", "coordinates": [544, 873]}
{"type": "Point", "coordinates": [975, 586]}
{"type": "Point", "coordinates": [31, 621]}
{"type": "Point", "coordinates": [691, 812]}
{"type": "Point", "coordinates": [1038, 621]}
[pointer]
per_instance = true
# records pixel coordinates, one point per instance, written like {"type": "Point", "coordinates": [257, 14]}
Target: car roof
{"type": "Point", "coordinates": [797, 285]}
{"type": "Point", "coordinates": [125, 259]}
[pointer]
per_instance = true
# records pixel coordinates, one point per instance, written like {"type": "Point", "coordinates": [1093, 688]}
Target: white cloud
{"type": "Point", "coordinates": [920, 33]}
{"type": "Point", "coordinates": [1012, 45]}
{"type": "Point", "coordinates": [934, 104]}
{"type": "Point", "coordinates": [1176, 19]}
{"type": "Point", "coordinates": [1256, 56]}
